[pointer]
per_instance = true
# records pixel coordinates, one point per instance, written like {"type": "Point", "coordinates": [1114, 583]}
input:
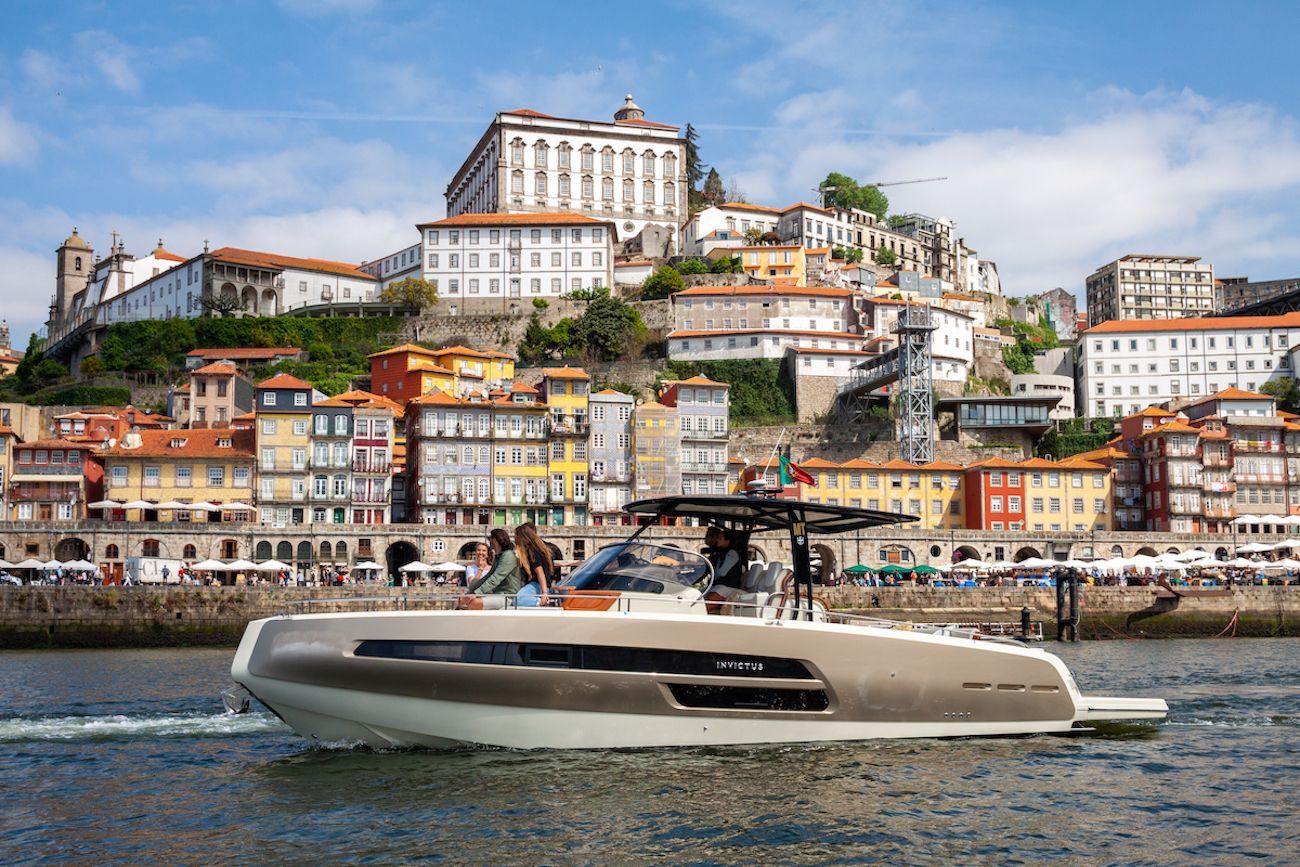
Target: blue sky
{"type": "Point", "coordinates": [1070, 133]}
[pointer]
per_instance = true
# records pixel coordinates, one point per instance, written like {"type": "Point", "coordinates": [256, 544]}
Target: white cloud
{"type": "Point", "coordinates": [26, 284]}
{"type": "Point", "coordinates": [111, 57]}
{"type": "Point", "coordinates": [1126, 173]}
{"type": "Point", "coordinates": [44, 70]}
{"type": "Point", "coordinates": [18, 143]}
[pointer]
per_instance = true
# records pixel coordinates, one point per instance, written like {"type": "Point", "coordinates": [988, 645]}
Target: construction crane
{"type": "Point", "coordinates": [824, 190]}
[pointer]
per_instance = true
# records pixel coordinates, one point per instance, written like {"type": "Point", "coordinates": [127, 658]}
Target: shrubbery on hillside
{"type": "Point", "coordinates": [760, 392]}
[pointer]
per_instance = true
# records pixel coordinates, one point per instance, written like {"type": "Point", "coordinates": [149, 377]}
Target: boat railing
{"type": "Point", "coordinates": [640, 603]}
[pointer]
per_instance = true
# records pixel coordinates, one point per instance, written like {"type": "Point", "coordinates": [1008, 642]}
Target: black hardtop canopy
{"type": "Point", "coordinates": [763, 513]}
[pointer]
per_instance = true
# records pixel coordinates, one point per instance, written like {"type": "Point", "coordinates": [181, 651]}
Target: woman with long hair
{"type": "Point", "coordinates": [535, 566]}
{"type": "Point", "coordinates": [503, 579]}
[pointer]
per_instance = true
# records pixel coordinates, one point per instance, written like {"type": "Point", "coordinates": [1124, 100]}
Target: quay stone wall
{"type": "Point", "coordinates": [181, 616]}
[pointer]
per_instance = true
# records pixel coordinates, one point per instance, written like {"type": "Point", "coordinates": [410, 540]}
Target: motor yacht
{"type": "Point", "coordinates": [628, 655]}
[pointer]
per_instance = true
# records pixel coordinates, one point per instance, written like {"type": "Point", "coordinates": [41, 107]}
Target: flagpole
{"type": "Point", "coordinates": [775, 447]}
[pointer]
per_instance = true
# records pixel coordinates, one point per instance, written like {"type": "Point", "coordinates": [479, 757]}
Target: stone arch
{"type": "Point", "coordinates": [399, 554]}
{"type": "Point", "coordinates": [112, 552]}
{"type": "Point", "coordinates": [304, 554]}
{"type": "Point", "coordinates": [341, 552]}
{"type": "Point", "coordinates": [326, 553]}
{"type": "Point", "coordinates": [1026, 552]}
{"type": "Point", "coordinates": [466, 551]}
{"type": "Point", "coordinates": [965, 552]}
{"type": "Point", "coordinates": [1146, 551]}
{"type": "Point", "coordinates": [1221, 553]}
{"type": "Point", "coordinates": [228, 292]}
{"type": "Point", "coordinates": [189, 552]}
{"type": "Point", "coordinates": [1173, 550]}
{"type": "Point", "coordinates": [1116, 551]}
{"type": "Point", "coordinates": [263, 551]}
{"type": "Point", "coordinates": [72, 548]}
{"type": "Point", "coordinates": [230, 549]}
{"type": "Point", "coordinates": [150, 548]}
{"type": "Point", "coordinates": [825, 563]}
{"type": "Point", "coordinates": [284, 551]}
{"type": "Point", "coordinates": [248, 300]}
{"type": "Point", "coordinates": [270, 304]}
{"type": "Point", "coordinates": [756, 553]}
{"type": "Point", "coordinates": [2, 550]}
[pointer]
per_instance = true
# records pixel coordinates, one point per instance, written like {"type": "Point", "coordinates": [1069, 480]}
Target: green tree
{"type": "Point", "coordinates": [886, 256]}
{"type": "Point", "coordinates": [726, 265]}
{"type": "Point", "coordinates": [1287, 392]}
{"type": "Point", "coordinates": [847, 254]}
{"type": "Point", "coordinates": [713, 194]}
{"type": "Point", "coordinates": [694, 170]}
{"type": "Point", "coordinates": [91, 365]}
{"type": "Point", "coordinates": [752, 234]}
{"type": "Point", "coordinates": [412, 291]}
{"type": "Point", "coordinates": [608, 327]}
{"type": "Point", "coordinates": [761, 392]}
{"type": "Point", "coordinates": [662, 283]}
{"type": "Point", "coordinates": [692, 266]}
{"type": "Point", "coordinates": [843, 191]}
{"type": "Point", "coordinates": [541, 303]}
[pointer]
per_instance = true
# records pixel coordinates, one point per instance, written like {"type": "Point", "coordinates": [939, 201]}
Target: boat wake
{"type": "Point", "coordinates": [129, 727]}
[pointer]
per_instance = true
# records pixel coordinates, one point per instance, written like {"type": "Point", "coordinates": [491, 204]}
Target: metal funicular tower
{"type": "Point", "coordinates": [915, 384]}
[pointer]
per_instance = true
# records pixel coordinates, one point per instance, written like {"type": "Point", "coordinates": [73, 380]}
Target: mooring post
{"type": "Point", "coordinates": [1024, 622]}
{"type": "Point", "coordinates": [1060, 606]}
{"type": "Point", "coordinates": [1074, 605]}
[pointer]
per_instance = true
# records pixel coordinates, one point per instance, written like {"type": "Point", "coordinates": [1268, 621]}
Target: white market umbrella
{"type": "Point", "coordinates": [201, 507]}
{"type": "Point", "coordinates": [139, 504]}
{"type": "Point", "coordinates": [1288, 563]}
{"type": "Point", "coordinates": [5, 564]}
{"type": "Point", "coordinates": [1002, 564]}
{"type": "Point", "coordinates": [30, 563]}
{"type": "Point", "coordinates": [1192, 554]}
{"type": "Point", "coordinates": [273, 566]}
{"type": "Point", "coordinates": [1246, 519]}
{"type": "Point", "coordinates": [1254, 548]}
{"type": "Point", "coordinates": [241, 566]}
{"type": "Point", "coordinates": [80, 565]}
{"type": "Point", "coordinates": [210, 566]}
{"type": "Point", "coordinates": [1287, 543]}
{"type": "Point", "coordinates": [174, 505]}
{"type": "Point", "coordinates": [1271, 520]}
{"type": "Point", "coordinates": [105, 504]}
{"type": "Point", "coordinates": [1242, 563]}
{"type": "Point", "coordinates": [1038, 563]}
{"type": "Point", "coordinates": [447, 567]}
{"type": "Point", "coordinates": [417, 566]}
{"type": "Point", "coordinates": [233, 507]}
{"type": "Point", "coordinates": [369, 565]}
{"type": "Point", "coordinates": [972, 563]}
{"type": "Point", "coordinates": [52, 564]}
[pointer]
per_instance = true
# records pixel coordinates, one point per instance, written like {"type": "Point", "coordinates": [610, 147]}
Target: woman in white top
{"type": "Point", "coordinates": [481, 563]}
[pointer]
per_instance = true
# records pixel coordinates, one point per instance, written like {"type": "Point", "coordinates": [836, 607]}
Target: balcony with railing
{"type": "Point", "coordinates": [611, 478]}
{"type": "Point", "coordinates": [1184, 480]}
{"type": "Point", "coordinates": [1185, 507]}
{"type": "Point", "coordinates": [371, 467]}
{"type": "Point", "coordinates": [704, 434]}
{"type": "Point", "coordinates": [1216, 460]}
{"type": "Point", "coordinates": [1220, 512]}
{"type": "Point", "coordinates": [1258, 478]}
{"type": "Point", "coordinates": [1218, 486]}
{"type": "Point", "coordinates": [704, 466]}
{"type": "Point", "coordinates": [367, 496]}
{"type": "Point", "coordinates": [1270, 447]}
{"type": "Point", "coordinates": [569, 426]}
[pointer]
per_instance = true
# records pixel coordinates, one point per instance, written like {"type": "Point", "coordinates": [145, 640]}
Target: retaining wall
{"type": "Point", "coordinates": [180, 616]}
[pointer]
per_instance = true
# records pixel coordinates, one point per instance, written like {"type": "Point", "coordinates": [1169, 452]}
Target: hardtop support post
{"type": "Point", "coordinates": [801, 564]}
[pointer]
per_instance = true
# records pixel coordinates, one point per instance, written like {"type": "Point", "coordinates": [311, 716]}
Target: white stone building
{"type": "Point", "coordinates": [491, 261]}
{"type": "Point", "coordinates": [952, 343]}
{"type": "Point", "coordinates": [1148, 286]}
{"type": "Point", "coordinates": [1124, 367]}
{"type": "Point", "coordinates": [629, 171]}
{"type": "Point", "coordinates": [761, 321]}
{"type": "Point", "coordinates": [725, 226]}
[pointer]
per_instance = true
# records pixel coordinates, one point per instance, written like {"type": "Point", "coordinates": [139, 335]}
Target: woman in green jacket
{"type": "Point", "coordinates": [490, 590]}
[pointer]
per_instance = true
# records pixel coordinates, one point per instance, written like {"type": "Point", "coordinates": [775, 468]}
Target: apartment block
{"type": "Point", "coordinates": [1149, 286]}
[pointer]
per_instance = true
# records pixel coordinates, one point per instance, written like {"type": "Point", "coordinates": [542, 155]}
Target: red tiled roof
{"type": "Point", "coordinates": [697, 379]}
{"type": "Point", "coordinates": [216, 367]}
{"type": "Point", "coordinates": [639, 122]}
{"type": "Point", "coordinates": [284, 380]}
{"type": "Point", "coordinates": [565, 373]}
{"type": "Point", "coordinates": [244, 353]}
{"type": "Point", "coordinates": [763, 289]}
{"type": "Point", "coordinates": [198, 443]}
{"type": "Point", "coordinates": [258, 259]}
{"type": "Point", "coordinates": [1224, 323]}
{"type": "Point", "coordinates": [405, 347]}
{"type": "Point", "coordinates": [836, 335]}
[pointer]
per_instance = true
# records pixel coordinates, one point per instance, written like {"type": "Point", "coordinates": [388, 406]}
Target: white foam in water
{"type": "Point", "coordinates": [122, 726]}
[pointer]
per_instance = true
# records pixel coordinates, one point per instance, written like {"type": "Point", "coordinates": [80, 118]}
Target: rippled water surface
{"type": "Point", "coordinates": [122, 756]}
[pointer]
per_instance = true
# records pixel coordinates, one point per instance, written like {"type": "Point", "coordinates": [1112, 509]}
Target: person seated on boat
{"type": "Point", "coordinates": [535, 565]}
{"type": "Point", "coordinates": [728, 571]}
{"type": "Point", "coordinates": [503, 579]}
{"type": "Point", "coordinates": [482, 563]}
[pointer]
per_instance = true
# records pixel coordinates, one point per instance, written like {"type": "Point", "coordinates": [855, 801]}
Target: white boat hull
{"type": "Point", "coordinates": [879, 683]}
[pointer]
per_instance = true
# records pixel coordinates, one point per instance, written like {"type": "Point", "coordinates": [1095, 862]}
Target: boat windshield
{"type": "Point", "coordinates": [641, 567]}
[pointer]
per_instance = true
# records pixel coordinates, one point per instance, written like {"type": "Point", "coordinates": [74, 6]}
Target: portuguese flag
{"type": "Point", "coordinates": [792, 472]}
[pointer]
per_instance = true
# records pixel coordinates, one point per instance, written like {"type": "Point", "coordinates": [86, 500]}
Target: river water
{"type": "Point", "coordinates": [123, 756]}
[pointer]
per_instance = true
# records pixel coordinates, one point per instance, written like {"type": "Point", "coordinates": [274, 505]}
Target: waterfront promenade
{"type": "Point", "coordinates": [36, 616]}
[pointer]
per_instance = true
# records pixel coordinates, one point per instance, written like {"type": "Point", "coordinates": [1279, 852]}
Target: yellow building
{"type": "Point", "coordinates": [283, 409]}
{"type": "Point", "coordinates": [476, 369]}
{"type": "Point", "coordinates": [520, 457]}
{"type": "Point", "coordinates": [781, 262]}
{"type": "Point", "coordinates": [180, 466]}
{"type": "Point", "coordinates": [1072, 495]}
{"type": "Point", "coordinates": [566, 391]}
{"type": "Point", "coordinates": [931, 492]}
